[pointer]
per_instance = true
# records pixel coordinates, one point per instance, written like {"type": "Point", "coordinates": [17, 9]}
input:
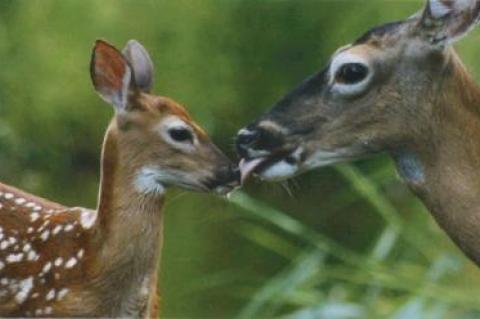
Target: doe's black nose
{"type": "Point", "coordinates": [246, 137]}
{"type": "Point", "coordinates": [258, 139]}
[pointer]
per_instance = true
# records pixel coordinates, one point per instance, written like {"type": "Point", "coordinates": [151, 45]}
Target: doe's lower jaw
{"type": "Point", "coordinates": [272, 168]}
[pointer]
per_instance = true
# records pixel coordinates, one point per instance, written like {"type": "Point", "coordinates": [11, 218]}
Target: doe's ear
{"type": "Point", "coordinates": [141, 63]}
{"type": "Point", "coordinates": [111, 74]}
{"type": "Point", "coordinates": [446, 21]}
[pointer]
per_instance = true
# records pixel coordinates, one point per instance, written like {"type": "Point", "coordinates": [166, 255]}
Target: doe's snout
{"type": "Point", "coordinates": [258, 141]}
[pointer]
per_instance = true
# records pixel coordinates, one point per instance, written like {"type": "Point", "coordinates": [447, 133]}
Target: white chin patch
{"type": "Point", "coordinates": [147, 181]}
{"type": "Point", "coordinates": [279, 171]}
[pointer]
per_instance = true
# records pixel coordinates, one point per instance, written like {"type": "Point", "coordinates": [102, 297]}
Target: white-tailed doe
{"type": "Point", "coordinates": [59, 261]}
{"type": "Point", "coordinates": [399, 89]}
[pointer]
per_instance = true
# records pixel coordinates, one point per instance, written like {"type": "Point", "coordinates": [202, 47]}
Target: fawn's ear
{"type": "Point", "coordinates": [141, 63]}
{"type": "Point", "coordinates": [111, 74]}
{"type": "Point", "coordinates": [445, 21]}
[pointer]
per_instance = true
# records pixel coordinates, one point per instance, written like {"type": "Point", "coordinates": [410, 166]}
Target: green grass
{"type": "Point", "coordinates": [324, 279]}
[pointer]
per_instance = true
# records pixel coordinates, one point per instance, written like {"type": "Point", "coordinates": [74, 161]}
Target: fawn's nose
{"type": "Point", "coordinates": [257, 141]}
{"type": "Point", "coordinates": [229, 175]}
{"type": "Point", "coordinates": [226, 179]}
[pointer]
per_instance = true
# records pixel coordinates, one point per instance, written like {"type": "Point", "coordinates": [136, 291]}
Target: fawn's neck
{"type": "Point", "coordinates": [443, 166]}
{"type": "Point", "coordinates": [129, 225]}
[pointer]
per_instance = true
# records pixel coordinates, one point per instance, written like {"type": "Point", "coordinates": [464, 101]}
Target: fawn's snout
{"type": "Point", "coordinates": [227, 178]}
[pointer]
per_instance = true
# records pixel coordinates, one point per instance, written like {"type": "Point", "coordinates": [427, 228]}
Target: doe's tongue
{"type": "Point", "coordinates": [248, 166]}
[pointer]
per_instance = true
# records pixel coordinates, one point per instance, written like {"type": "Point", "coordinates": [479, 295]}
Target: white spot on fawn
{"type": "Point", "coordinates": [34, 217]}
{"type": "Point", "coordinates": [1, 265]}
{"type": "Point", "coordinates": [30, 204]}
{"type": "Point", "coordinates": [20, 201]}
{"type": "Point", "coordinates": [88, 218]}
{"type": "Point", "coordinates": [4, 244]}
{"type": "Point", "coordinates": [80, 253]}
{"type": "Point", "coordinates": [50, 295]}
{"type": "Point", "coordinates": [62, 293]}
{"type": "Point", "coordinates": [58, 261]}
{"type": "Point", "coordinates": [25, 288]}
{"type": "Point", "coordinates": [71, 262]}
{"type": "Point", "coordinates": [14, 258]}
{"type": "Point", "coordinates": [47, 267]}
{"type": "Point", "coordinates": [45, 235]}
{"type": "Point", "coordinates": [26, 248]}
{"type": "Point", "coordinates": [68, 227]}
{"type": "Point", "coordinates": [8, 196]}
{"type": "Point", "coordinates": [31, 255]}
{"type": "Point", "coordinates": [57, 229]}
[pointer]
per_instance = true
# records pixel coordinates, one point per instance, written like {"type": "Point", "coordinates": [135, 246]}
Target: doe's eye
{"type": "Point", "coordinates": [351, 73]}
{"type": "Point", "coordinates": [180, 134]}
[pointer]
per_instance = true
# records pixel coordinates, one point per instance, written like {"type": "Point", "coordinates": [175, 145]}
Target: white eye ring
{"type": "Point", "coordinates": [337, 63]}
{"type": "Point", "coordinates": [173, 123]}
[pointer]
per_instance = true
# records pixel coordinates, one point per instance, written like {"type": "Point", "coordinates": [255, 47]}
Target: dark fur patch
{"type": "Point", "coordinates": [379, 31]}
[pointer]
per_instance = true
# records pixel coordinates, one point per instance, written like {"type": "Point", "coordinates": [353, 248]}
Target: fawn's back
{"type": "Point", "coordinates": [43, 247]}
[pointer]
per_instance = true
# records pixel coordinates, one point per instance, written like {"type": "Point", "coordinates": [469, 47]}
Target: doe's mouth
{"type": "Point", "coordinates": [275, 167]}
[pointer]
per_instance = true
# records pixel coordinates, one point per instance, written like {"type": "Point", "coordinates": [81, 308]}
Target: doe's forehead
{"type": "Point", "coordinates": [381, 32]}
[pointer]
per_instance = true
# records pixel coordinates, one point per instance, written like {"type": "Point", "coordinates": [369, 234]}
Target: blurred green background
{"type": "Point", "coordinates": [343, 242]}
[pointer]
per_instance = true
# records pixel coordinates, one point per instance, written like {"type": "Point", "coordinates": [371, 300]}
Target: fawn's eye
{"type": "Point", "coordinates": [180, 134]}
{"type": "Point", "coordinates": [351, 73]}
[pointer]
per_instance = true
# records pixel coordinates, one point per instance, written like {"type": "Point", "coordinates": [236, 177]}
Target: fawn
{"type": "Point", "coordinates": [59, 261]}
{"type": "Point", "coordinates": [399, 89]}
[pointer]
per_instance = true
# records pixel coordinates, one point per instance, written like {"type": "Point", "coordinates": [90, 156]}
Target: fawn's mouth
{"type": "Point", "coordinates": [208, 188]}
{"type": "Point", "coordinates": [225, 184]}
{"type": "Point", "coordinates": [225, 189]}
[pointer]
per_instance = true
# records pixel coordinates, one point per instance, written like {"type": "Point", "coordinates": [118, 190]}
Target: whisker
{"type": "Point", "coordinates": [287, 188]}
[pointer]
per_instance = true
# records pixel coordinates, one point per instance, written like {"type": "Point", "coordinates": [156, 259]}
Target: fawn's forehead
{"type": "Point", "coordinates": [164, 107]}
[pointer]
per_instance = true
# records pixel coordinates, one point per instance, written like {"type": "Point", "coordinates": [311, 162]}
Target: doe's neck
{"type": "Point", "coordinates": [443, 166]}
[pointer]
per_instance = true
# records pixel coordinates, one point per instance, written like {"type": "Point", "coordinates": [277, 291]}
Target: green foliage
{"type": "Point", "coordinates": [350, 242]}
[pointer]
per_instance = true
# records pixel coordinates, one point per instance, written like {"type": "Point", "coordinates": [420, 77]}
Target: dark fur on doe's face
{"type": "Point", "coordinates": [374, 95]}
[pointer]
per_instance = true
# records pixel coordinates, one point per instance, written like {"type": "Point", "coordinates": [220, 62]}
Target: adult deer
{"type": "Point", "coordinates": [400, 89]}
{"type": "Point", "coordinates": [58, 261]}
